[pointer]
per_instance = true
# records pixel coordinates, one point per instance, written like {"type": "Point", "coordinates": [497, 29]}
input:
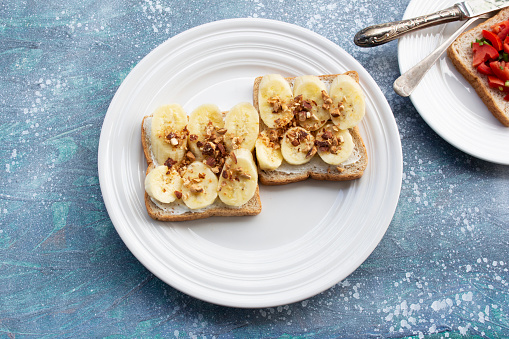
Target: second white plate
{"type": "Point", "coordinates": [309, 235]}
{"type": "Point", "coordinates": [444, 99]}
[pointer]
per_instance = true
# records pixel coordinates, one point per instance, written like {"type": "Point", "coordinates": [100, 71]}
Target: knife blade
{"type": "Point", "coordinates": [380, 34]}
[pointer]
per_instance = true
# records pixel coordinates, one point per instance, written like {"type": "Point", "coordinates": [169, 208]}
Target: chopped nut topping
{"type": "Point", "coordinates": [236, 141]}
{"type": "Point", "coordinates": [170, 135]}
{"type": "Point", "coordinates": [221, 131]}
{"type": "Point", "coordinates": [178, 194]}
{"type": "Point", "coordinates": [182, 170]}
{"type": "Point", "coordinates": [210, 161]}
{"type": "Point", "coordinates": [174, 141]}
{"type": "Point", "coordinates": [335, 113]}
{"type": "Point", "coordinates": [326, 100]}
{"type": "Point", "coordinates": [244, 175]}
{"type": "Point", "coordinates": [169, 163]}
{"type": "Point", "coordinates": [275, 101]}
{"type": "Point", "coordinates": [327, 135]}
{"type": "Point", "coordinates": [306, 105]}
{"type": "Point", "coordinates": [222, 149]}
{"type": "Point", "coordinates": [208, 148]}
{"type": "Point", "coordinates": [323, 146]}
{"type": "Point", "coordinates": [340, 169]}
{"type": "Point", "coordinates": [311, 152]}
{"type": "Point", "coordinates": [190, 156]}
{"type": "Point", "coordinates": [295, 142]}
{"type": "Point", "coordinates": [232, 154]}
{"type": "Point", "coordinates": [193, 137]}
{"type": "Point", "coordinates": [195, 189]}
{"type": "Point", "coordinates": [201, 175]}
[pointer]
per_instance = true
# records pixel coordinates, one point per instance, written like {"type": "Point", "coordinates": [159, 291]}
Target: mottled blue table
{"type": "Point", "coordinates": [440, 270]}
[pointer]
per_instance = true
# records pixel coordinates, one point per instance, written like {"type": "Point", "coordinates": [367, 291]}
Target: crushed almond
{"type": "Point", "coordinates": [190, 156]}
{"type": "Point", "coordinates": [196, 189]}
{"type": "Point", "coordinates": [335, 113]}
{"type": "Point", "coordinates": [275, 101]}
{"type": "Point", "coordinates": [311, 152]}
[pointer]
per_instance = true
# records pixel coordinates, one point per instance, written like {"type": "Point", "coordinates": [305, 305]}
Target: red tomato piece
{"type": "Point", "coordinates": [483, 53]}
{"type": "Point", "coordinates": [506, 44]}
{"type": "Point", "coordinates": [506, 97]}
{"type": "Point", "coordinates": [495, 82]}
{"type": "Point", "coordinates": [500, 69]}
{"type": "Point", "coordinates": [493, 38]}
{"type": "Point", "coordinates": [484, 69]}
{"type": "Point", "coordinates": [501, 29]}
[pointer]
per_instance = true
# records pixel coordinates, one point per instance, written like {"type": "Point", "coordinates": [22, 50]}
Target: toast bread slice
{"type": "Point", "coordinates": [178, 211]}
{"type": "Point", "coordinates": [316, 168]}
{"type": "Point", "coordinates": [460, 53]}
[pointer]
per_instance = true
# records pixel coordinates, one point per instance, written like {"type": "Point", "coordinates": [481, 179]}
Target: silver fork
{"type": "Point", "coordinates": [408, 81]}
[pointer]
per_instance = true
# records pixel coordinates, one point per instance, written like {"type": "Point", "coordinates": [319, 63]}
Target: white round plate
{"type": "Point", "coordinates": [444, 99]}
{"type": "Point", "coordinates": [309, 235]}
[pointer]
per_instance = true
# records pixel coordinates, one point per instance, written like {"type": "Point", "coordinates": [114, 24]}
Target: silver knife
{"type": "Point", "coordinates": [380, 34]}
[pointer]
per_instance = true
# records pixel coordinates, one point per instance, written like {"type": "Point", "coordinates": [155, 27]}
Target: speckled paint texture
{"type": "Point", "coordinates": [441, 271]}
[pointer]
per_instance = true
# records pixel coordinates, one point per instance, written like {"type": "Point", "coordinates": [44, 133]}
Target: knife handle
{"type": "Point", "coordinates": [380, 34]}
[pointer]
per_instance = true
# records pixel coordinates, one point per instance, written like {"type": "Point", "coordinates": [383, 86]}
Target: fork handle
{"type": "Point", "coordinates": [380, 34]}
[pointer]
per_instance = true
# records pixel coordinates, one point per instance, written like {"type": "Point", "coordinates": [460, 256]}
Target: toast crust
{"type": "Point", "coordinates": [460, 54]}
{"type": "Point", "coordinates": [327, 172]}
{"type": "Point", "coordinates": [219, 209]}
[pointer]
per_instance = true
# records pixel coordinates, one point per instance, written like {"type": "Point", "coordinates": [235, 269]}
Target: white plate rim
{"type": "Point", "coordinates": [418, 96]}
{"type": "Point", "coordinates": [366, 81]}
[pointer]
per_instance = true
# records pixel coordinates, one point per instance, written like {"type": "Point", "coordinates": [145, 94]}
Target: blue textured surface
{"type": "Point", "coordinates": [440, 270]}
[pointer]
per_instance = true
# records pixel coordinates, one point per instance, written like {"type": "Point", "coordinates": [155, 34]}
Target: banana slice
{"type": "Point", "coordinates": [297, 146]}
{"type": "Point", "coordinates": [161, 184]}
{"type": "Point", "coordinates": [348, 103]}
{"type": "Point", "coordinates": [204, 122]}
{"type": "Point", "coordinates": [199, 188]}
{"type": "Point", "coordinates": [334, 145]}
{"type": "Point", "coordinates": [268, 153]}
{"type": "Point", "coordinates": [168, 134]}
{"type": "Point", "coordinates": [242, 126]}
{"type": "Point", "coordinates": [239, 178]}
{"type": "Point", "coordinates": [309, 91]}
{"type": "Point", "coordinates": [274, 100]}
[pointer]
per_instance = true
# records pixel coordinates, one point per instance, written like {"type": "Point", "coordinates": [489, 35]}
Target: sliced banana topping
{"type": "Point", "coordinates": [268, 150]}
{"type": "Point", "coordinates": [242, 126]}
{"type": "Point", "coordinates": [199, 187]}
{"type": "Point", "coordinates": [239, 178]}
{"type": "Point", "coordinates": [348, 103]}
{"type": "Point", "coordinates": [168, 134]}
{"type": "Point", "coordinates": [163, 184]}
{"type": "Point", "coordinates": [298, 146]}
{"type": "Point", "coordinates": [274, 100]}
{"type": "Point", "coordinates": [309, 94]}
{"type": "Point", "coordinates": [205, 124]}
{"type": "Point", "coordinates": [334, 145]}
